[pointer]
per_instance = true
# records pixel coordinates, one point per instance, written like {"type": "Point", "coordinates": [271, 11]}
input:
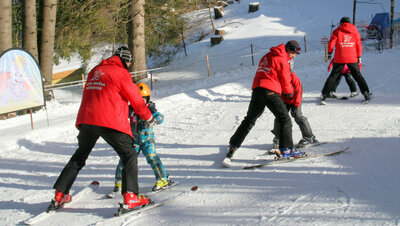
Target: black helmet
{"type": "Point", "coordinates": [124, 53]}
{"type": "Point", "coordinates": [345, 20]}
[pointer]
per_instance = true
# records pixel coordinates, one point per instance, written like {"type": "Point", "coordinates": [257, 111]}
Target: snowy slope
{"type": "Point", "coordinates": [358, 187]}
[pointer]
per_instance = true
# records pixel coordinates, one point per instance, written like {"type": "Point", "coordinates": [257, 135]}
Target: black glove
{"type": "Point", "coordinates": [329, 57]}
{"type": "Point", "coordinates": [293, 110]}
{"type": "Point", "coordinates": [150, 123]}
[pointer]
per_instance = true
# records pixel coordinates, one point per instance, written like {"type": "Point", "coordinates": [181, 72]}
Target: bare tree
{"type": "Point", "coordinates": [5, 25]}
{"type": "Point", "coordinates": [47, 41]}
{"type": "Point", "coordinates": [30, 28]}
{"type": "Point", "coordinates": [136, 37]}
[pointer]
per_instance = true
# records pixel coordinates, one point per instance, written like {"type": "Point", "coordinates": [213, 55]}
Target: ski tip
{"type": "Point", "coordinates": [95, 182]}
{"type": "Point", "coordinates": [194, 188]}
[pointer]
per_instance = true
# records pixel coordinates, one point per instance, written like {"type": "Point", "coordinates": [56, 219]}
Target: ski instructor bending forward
{"type": "Point", "coordinates": [272, 79]}
{"type": "Point", "coordinates": [104, 113]}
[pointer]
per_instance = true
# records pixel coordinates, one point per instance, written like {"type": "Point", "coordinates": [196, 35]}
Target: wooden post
{"type": "Point", "coordinates": [211, 18]}
{"type": "Point", "coordinates": [354, 11]}
{"type": "Point", "coordinates": [208, 66]}
{"type": "Point", "coordinates": [252, 56]}
{"type": "Point", "coordinates": [30, 111]}
{"type": "Point", "coordinates": [83, 81]}
{"type": "Point", "coordinates": [151, 80]}
{"type": "Point", "coordinates": [391, 22]}
{"type": "Point", "coordinates": [305, 44]}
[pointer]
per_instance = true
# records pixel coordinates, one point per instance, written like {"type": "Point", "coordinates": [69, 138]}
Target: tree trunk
{"type": "Point", "coordinates": [47, 46]}
{"type": "Point", "coordinates": [30, 28]}
{"type": "Point", "coordinates": [5, 25]}
{"type": "Point", "coordinates": [136, 39]}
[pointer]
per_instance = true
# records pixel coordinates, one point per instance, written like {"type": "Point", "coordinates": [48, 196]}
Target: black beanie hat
{"type": "Point", "coordinates": [345, 20]}
{"type": "Point", "coordinates": [293, 45]}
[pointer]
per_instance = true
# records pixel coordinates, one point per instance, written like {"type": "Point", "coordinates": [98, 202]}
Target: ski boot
{"type": "Point", "coordinates": [323, 99]}
{"type": "Point", "coordinates": [307, 141]}
{"type": "Point", "coordinates": [332, 95]}
{"type": "Point", "coordinates": [116, 190]}
{"type": "Point", "coordinates": [132, 202]}
{"type": "Point", "coordinates": [229, 155]}
{"type": "Point", "coordinates": [367, 96]}
{"type": "Point", "coordinates": [353, 94]}
{"type": "Point", "coordinates": [275, 142]}
{"type": "Point", "coordinates": [290, 153]}
{"type": "Point", "coordinates": [59, 200]}
{"type": "Point", "coordinates": [161, 184]}
{"type": "Point", "coordinates": [275, 148]}
{"type": "Point", "coordinates": [118, 185]}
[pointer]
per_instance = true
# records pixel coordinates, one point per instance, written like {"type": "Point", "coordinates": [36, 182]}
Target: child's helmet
{"type": "Point", "coordinates": [144, 90]}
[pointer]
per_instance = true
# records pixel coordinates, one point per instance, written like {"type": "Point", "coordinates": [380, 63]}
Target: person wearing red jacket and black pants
{"type": "Point", "coordinates": [293, 105]}
{"type": "Point", "coordinates": [348, 49]}
{"type": "Point", "coordinates": [104, 113]}
{"type": "Point", "coordinates": [273, 79]}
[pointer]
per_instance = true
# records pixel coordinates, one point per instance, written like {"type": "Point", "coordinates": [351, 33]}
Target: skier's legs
{"type": "Point", "coordinates": [350, 82]}
{"type": "Point", "coordinates": [87, 138]}
{"type": "Point", "coordinates": [149, 151]}
{"type": "Point", "coordinates": [118, 171]}
{"type": "Point", "coordinates": [332, 79]}
{"type": "Point", "coordinates": [123, 145]}
{"type": "Point", "coordinates": [302, 121]}
{"type": "Point", "coordinates": [120, 167]}
{"type": "Point", "coordinates": [277, 126]}
{"type": "Point", "coordinates": [355, 72]}
{"type": "Point", "coordinates": [337, 82]}
{"type": "Point", "coordinates": [276, 105]}
{"type": "Point", "coordinates": [256, 108]}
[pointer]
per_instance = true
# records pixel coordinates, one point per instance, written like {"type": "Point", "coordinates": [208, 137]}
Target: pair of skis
{"type": "Point", "coordinates": [227, 161]}
{"type": "Point", "coordinates": [120, 212]}
{"type": "Point", "coordinates": [291, 159]}
{"type": "Point", "coordinates": [323, 102]}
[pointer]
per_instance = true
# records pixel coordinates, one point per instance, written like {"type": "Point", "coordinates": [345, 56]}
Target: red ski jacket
{"type": "Point", "coordinates": [273, 71]}
{"type": "Point", "coordinates": [108, 89]}
{"type": "Point", "coordinates": [347, 43]}
{"type": "Point", "coordinates": [298, 92]}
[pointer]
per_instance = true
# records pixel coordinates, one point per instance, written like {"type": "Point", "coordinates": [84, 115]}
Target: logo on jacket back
{"type": "Point", "coordinates": [97, 75]}
{"type": "Point", "coordinates": [347, 41]}
{"type": "Point", "coordinates": [263, 67]}
{"type": "Point", "coordinates": [94, 83]}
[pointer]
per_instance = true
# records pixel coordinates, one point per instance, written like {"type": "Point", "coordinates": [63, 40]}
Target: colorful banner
{"type": "Point", "coordinates": [21, 84]}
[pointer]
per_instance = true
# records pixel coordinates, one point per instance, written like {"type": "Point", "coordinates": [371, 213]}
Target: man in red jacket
{"type": "Point", "coordinates": [104, 113]}
{"type": "Point", "coordinates": [273, 79]}
{"type": "Point", "coordinates": [293, 105]}
{"type": "Point", "coordinates": [348, 48]}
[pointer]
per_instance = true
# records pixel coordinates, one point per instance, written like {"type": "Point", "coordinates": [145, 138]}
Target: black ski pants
{"type": "Point", "coordinates": [349, 80]}
{"type": "Point", "coordinates": [260, 98]}
{"type": "Point", "coordinates": [300, 120]}
{"type": "Point", "coordinates": [355, 72]}
{"type": "Point", "coordinates": [87, 138]}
